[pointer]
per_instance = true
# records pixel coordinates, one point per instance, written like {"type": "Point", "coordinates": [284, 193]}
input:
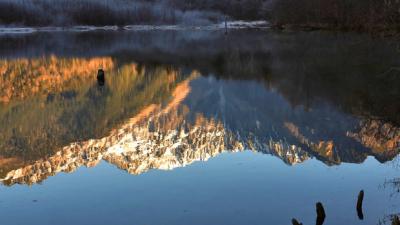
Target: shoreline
{"type": "Point", "coordinates": [231, 25]}
{"type": "Point", "coordinates": [378, 31]}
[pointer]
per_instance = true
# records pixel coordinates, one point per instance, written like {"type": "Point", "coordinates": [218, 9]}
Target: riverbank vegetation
{"type": "Point", "coordinates": [96, 13]}
{"type": "Point", "coordinates": [126, 12]}
{"type": "Point", "coordinates": [375, 16]}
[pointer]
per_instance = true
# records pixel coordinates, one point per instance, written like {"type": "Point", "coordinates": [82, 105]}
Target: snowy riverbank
{"type": "Point", "coordinates": [230, 25]}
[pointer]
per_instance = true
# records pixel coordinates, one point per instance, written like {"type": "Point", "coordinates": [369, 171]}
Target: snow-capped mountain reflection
{"type": "Point", "coordinates": [205, 117]}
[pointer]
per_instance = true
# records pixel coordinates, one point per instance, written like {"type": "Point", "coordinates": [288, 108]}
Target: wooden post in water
{"type": "Point", "coordinates": [101, 77]}
{"type": "Point", "coordinates": [295, 222]}
{"type": "Point", "coordinates": [226, 25]}
{"type": "Point", "coordinates": [359, 205]}
{"type": "Point", "coordinates": [320, 213]}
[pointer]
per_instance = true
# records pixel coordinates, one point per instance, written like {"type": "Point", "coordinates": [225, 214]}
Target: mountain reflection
{"type": "Point", "coordinates": [58, 102]}
{"type": "Point", "coordinates": [55, 118]}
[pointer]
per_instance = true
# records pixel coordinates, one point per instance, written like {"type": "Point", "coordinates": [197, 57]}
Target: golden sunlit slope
{"type": "Point", "coordinates": [51, 102]}
{"type": "Point", "coordinates": [22, 78]}
{"type": "Point", "coordinates": [158, 137]}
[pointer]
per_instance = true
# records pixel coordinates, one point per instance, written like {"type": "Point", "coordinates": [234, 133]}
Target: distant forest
{"type": "Point", "coordinates": [367, 15]}
{"type": "Point", "coordinates": [363, 15]}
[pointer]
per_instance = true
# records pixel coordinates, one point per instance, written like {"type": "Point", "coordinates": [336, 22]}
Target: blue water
{"type": "Point", "coordinates": [233, 188]}
{"type": "Point", "coordinates": [254, 127]}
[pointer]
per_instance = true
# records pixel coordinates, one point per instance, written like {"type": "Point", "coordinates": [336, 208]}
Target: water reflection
{"type": "Point", "coordinates": [58, 102]}
{"type": "Point", "coordinates": [158, 106]}
{"type": "Point", "coordinates": [79, 124]}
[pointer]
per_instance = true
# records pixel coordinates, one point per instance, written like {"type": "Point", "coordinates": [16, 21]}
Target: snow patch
{"type": "Point", "coordinates": [16, 30]}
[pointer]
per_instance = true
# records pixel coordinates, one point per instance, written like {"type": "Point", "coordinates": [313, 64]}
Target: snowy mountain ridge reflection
{"type": "Point", "coordinates": [205, 117]}
{"type": "Point", "coordinates": [168, 110]}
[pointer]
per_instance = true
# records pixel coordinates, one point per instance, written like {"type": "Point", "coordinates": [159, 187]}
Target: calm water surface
{"type": "Point", "coordinates": [198, 127]}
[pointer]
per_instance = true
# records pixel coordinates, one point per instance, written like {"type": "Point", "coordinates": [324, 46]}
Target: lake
{"type": "Point", "coordinates": [198, 127]}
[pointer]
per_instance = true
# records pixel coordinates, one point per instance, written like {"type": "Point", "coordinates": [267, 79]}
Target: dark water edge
{"type": "Point", "coordinates": [326, 104]}
{"type": "Point", "coordinates": [373, 62]}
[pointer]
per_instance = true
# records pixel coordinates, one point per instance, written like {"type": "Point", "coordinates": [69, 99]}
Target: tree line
{"type": "Point", "coordinates": [366, 15]}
